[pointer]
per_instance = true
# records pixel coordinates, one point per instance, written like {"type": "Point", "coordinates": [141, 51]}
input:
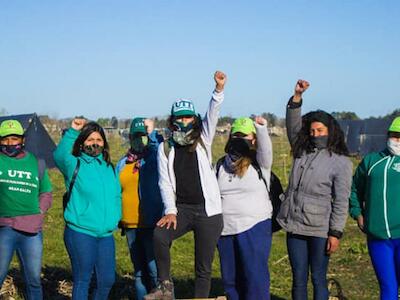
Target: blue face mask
{"type": "Point", "coordinates": [12, 150]}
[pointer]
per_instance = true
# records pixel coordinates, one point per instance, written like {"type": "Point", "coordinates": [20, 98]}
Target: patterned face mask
{"type": "Point", "coordinates": [183, 138]}
{"type": "Point", "coordinates": [12, 150]}
{"type": "Point", "coordinates": [139, 144]}
{"type": "Point", "coordinates": [93, 150]}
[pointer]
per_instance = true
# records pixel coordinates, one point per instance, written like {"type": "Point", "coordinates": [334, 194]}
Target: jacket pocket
{"type": "Point", "coordinates": [316, 212]}
{"type": "Point", "coordinates": [284, 209]}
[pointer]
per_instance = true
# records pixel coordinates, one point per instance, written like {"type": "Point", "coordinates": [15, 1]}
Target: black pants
{"type": "Point", "coordinates": [207, 231]}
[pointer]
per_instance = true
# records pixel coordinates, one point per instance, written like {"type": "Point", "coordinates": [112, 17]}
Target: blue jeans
{"type": "Point", "coordinates": [89, 254]}
{"type": "Point", "coordinates": [244, 262]}
{"type": "Point", "coordinates": [308, 252]}
{"type": "Point", "coordinates": [140, 244]}
{"type": "Point", "coordinates": [29, 250]}
{"type": "Point", "coordinates": [385, 257]}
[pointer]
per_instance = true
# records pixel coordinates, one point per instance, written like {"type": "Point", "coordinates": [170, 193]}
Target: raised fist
{"type": "Point", "coordinates": [301, 87]}
{"type": "Point", "coordinates": [220, 80]}
{"type": "Point", "coordinates": [149, 125]}
{"type": "Point", "coordinates": [260, 120]}
{"type": "Point", "coordinates": [78, 123]}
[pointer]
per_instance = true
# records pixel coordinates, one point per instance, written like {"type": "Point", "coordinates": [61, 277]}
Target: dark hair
{"type": "Point", "coordinates": [194, 135]}
{"type": "Point", "coordinates": [87, 130]}
{"type": "Point", "coordinates": [336, 142]}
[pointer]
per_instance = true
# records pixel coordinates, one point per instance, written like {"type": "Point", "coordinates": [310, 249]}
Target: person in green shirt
{"type": "Point", "coordinates": [25, 196]}
{"type": "Point", "coordinates": [374, 203]}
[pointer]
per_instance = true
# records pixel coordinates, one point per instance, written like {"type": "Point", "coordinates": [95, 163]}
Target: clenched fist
{"type": "Point", "coordinates": [220, 80]}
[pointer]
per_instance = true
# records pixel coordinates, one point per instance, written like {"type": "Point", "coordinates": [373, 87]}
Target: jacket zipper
{"type": "Point", "coordinates": [385, 195]}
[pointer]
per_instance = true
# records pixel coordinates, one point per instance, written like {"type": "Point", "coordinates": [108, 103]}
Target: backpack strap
{"type": "Point", "coordinates": [219, 164]}
{"type": "Point", "coordinates": [257, 167]}
{"type": "Point", "coordinates": [41, 167]}
{"type": "Point", "coordinates": [67, 194]}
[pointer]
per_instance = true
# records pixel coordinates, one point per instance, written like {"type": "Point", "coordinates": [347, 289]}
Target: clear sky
{"type": "Point", "coordinates": [128, 58]}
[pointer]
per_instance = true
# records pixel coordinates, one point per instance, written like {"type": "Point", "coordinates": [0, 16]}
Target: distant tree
{"type": "Point", "coordinates": [225, 120]}
{"type": "Point", "coordinates": [271, 118]}
{"type": "Point", "coordinates": [3, 112]}
{"type": "Point", "coordinates": [345, 115]}
{"type": "Point", "coordinates": [114, 122]}
{"type": "Point", "coordinates": [393, 114]}
{"type": "Point", "coordinates": [104, 122]}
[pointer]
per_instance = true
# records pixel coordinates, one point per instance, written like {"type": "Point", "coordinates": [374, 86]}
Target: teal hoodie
{"type": "Point", "coordinates": [94, 207]}
{"type": "Point", "coordinates": [375, 194]}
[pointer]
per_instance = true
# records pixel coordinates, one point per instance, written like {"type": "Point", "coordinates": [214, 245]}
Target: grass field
{"type": "Point", "coordinates": [350, 266]}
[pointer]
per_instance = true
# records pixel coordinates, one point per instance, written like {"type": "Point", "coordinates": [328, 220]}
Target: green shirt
{"type": "Point", "coordinates": [20, 186]}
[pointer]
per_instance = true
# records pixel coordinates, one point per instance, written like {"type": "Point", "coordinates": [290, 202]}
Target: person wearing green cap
{"type": "Point", "coordinates": [245, 241]}
{"type": "Point", "coordinates": [374, 204]}
{"type": "Point", "coordinates": [142, 206]}
{"type": "Point", "coordinates": [189, 190]}
{"type": "Point", "coordinates": [25, 196]}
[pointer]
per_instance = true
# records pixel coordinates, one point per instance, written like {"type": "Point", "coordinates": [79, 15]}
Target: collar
{"type": "Point", "coordinates": [89, 159]}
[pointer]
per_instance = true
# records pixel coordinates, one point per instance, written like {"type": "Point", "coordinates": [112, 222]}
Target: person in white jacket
{"type": "Point", "coordinates": [189, 190]}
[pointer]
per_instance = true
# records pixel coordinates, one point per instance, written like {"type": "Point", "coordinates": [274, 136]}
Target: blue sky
{"type": "Point", "coordinates": [129, 58]}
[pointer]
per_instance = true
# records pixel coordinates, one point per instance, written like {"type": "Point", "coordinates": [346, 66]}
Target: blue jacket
{"type": "Point", "coordinates": [150, 202]}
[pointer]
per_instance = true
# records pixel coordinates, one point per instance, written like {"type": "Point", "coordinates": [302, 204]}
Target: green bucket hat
{"type": "Point", "coordinates": [183, 107]}
{"type": "Point", "coordinates": [395, 126]}
{"type": "Point", "coordinates": [137, 126]}
{"type": "Point", "coordinates": [243, 125]}
{"type": "Point", "coordinates": [11, 127]}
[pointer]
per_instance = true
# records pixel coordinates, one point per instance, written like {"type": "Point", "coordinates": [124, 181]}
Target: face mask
{"type": "Point", "coordinates": [12, 150]}
{"type": "Point", "coordinates": [239, 147]}
{"type": "Point", "coordinates": [320, 142]}
{"type": "Point", "coordinates": [182, 138]}
{"type": "Point", "coordinates": [93, 150]}
{"type": "Point", "coordinates": [393, 146]}
{"type": "Point", "coordinates": [139, 144]}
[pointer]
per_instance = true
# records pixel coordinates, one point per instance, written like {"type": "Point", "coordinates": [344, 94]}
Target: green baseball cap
{"type": "Point", "coordinates": [395, 126]}
{"type": "Point", "coordinates": [11, 127]}
{"type": "Point", "coordinates": [243, 125]}
{"type": "Point", "coordinates": [137, 126]}
{"type": "Point", "coordinates": [183, 107]}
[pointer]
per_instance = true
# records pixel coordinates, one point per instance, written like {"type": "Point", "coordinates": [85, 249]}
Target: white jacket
{"type": "Point", "coordinates": [209, 184]}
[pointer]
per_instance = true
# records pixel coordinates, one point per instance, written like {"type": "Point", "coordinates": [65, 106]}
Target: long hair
{"type": "Point", "coordinates": [194, 135]}
{"type": "Point", "coordinates": [87, 130]}
{"type": "Point", "coordinates": [241, 165]}
{"type": "Point", "coordinates": [336, 143]}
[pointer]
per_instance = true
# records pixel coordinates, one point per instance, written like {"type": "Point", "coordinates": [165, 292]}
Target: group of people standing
{"type": "Point", "coordinates": [163, 188]}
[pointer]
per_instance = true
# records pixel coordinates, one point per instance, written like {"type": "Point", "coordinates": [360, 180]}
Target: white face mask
{"type": "Point", "coordinates": [393, 146]}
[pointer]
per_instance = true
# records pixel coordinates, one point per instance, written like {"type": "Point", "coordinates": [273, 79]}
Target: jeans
{"type": "Point", "coordinates": [385, 257]}
{"type": "Point", "coordinates": [308, 252]}
{"type": "Point", "coordinates": [140, 244]}
{"type": "Point", "coordinates": [29, 249]}
{"type": "Point", "coordinates": [190, 217]}
{"type": "Point", "coordinates": [244, 262]}
{"type": "Point", "coordinates": [89, 254]}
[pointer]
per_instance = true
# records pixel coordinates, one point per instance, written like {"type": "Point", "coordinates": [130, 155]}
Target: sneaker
{"type": "Point", "coordinates": [163, 291]}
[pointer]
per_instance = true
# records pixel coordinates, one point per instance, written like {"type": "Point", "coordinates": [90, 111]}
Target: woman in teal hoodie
{"type": "Point", "coordinates": [374, 203]}
{"type": "Point", "coordinates": [93, 209]}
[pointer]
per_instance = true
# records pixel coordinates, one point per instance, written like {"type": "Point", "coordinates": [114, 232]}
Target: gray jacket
{"type": "Point", "coordinates": [316, 200]}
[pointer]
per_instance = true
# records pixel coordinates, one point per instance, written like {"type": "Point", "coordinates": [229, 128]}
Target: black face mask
{"type": "Point", "coordinates": [93, 150]}
{"type": "Point", "coordinates": [320, 142]}
{"type": "Point", "coordinates": [239, 147]}
{"type": "Point", "coordinates": [12, 150]}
